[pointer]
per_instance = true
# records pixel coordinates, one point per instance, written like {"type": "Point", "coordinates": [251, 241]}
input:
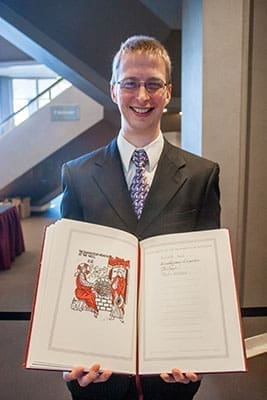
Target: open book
{"type": "Point", "coordinates": [166, 302]}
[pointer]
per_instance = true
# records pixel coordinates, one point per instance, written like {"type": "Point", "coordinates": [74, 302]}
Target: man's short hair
{"type": "Point", "coordinates": [141, 44]}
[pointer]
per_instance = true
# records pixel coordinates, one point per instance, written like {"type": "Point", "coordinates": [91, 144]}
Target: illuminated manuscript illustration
{"type": "Point", "coordinates": [101, 285]}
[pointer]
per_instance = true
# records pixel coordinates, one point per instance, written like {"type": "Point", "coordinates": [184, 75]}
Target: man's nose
{"type": "Point", "coordinates": [142, 93]}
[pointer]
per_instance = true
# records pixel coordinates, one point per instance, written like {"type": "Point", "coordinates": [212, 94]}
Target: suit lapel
{"type": "Point", "coordinates": [109, 177]}
{"type": "Point", "coordinates": [168, 179]}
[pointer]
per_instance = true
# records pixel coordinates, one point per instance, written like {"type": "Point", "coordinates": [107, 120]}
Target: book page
{"type": "Point", "coordinates": [189, 316]}
{"type": "Point", "coordinates": [85, 308]}
{"type": "Point", "coordinates": [256, 345]}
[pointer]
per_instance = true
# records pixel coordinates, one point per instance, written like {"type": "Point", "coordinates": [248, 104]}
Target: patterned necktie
{"type": "Point", "coordinates": [139, 187]}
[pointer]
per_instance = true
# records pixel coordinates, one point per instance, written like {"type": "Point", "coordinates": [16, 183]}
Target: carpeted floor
{"type": "Point", "coordinates": [17, 284]}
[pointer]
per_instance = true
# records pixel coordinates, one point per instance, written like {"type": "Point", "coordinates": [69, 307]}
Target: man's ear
{"type": "Point", "coordinates": [113, 93]}
{"type": "Point", "coordinates": [168, 94]}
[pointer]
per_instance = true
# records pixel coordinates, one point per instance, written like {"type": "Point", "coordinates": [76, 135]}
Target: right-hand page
{"type": "Point", "coordinates": [189, 313]}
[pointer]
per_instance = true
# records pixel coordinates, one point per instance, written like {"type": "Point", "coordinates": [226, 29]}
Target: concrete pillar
{"type": "Point", "coordinates": [192, 67]}
{"type": "Point", "coordinates": [214, 97]}
{"type": "Point", "coordinates": [224, 97]}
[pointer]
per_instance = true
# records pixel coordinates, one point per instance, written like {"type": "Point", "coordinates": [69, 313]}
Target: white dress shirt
{"type": "Point", "coordinates": [153, 150]}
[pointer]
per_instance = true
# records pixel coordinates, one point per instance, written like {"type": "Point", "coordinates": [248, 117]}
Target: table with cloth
{"type": "Point", "coordinates": [11, 236]}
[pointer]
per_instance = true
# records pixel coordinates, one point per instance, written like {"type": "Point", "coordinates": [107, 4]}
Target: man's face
{"type": "Point", "coordinates": [140, 110]}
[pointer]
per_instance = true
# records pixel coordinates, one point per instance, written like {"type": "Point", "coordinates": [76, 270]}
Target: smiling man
{"type": "Point", "coordinates": [142, 184]}
{"type": "Point", "coordinates": [141, 88]}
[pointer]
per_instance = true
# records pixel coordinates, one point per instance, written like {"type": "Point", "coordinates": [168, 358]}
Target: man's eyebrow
{"type": "Point", "coordinates": [155, 78]}
{"type": "Point", "coordinates": [130, 77]}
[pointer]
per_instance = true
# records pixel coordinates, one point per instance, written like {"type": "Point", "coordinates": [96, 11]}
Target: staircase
{"type": "Point", "coordinates": [77, 40]}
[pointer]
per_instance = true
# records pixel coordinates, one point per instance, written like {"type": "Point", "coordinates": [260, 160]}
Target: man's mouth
{"type": "Point", "coordinates": [142, 110]}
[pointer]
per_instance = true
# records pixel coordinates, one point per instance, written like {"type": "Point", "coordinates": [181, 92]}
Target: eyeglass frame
{"type": "Point", "coordinates": [139, 82]}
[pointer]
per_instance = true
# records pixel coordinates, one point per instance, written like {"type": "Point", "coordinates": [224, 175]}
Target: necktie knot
{"type": "Point", "coordinates": [140, 158]}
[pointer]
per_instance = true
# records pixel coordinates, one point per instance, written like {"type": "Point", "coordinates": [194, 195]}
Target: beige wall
{"type": "Point", "coordinates": [234, 130]}
{"type": "Point", "coordinates": [255, 233]}
{"type": "Point", "coordinates": [233, 123]}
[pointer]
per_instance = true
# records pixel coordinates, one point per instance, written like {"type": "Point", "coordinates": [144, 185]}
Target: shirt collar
{"type": "Point", "coordinates": [152, 149]}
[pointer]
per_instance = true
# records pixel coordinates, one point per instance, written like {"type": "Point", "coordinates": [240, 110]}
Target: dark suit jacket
{"type": "Point", "coordinates": [184, 196]}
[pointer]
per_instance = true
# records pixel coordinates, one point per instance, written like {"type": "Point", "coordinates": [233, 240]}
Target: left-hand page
{"type": "Point", "coordinates": [85, 304]}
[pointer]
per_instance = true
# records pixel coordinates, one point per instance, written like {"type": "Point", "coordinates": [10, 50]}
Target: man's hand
{"type": "Point", "coordinates": [178, 376]}
{"type": "Point", "coordinates": [84, 378]}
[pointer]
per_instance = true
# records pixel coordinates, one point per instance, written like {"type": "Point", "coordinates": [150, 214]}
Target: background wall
{"type": "Point", "coordinates": [231, 115]}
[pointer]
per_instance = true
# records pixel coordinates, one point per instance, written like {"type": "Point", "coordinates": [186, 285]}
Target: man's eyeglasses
{"type": "Point", "coordinates": [151, 85]}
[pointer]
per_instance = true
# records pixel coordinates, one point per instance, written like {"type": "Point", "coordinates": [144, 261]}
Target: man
{"type": "Point", "coordinates": [178, 191]}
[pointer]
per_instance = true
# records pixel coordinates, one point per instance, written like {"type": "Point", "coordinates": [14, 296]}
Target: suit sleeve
{"type": "Point", "coordinates": [210, 210]}
{"type": "Point", "coordinates": [70, 205]}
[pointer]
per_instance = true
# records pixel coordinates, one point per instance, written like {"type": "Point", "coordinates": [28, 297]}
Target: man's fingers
{"type": "Point", "coordinates": [167, 378]}
{"type": "Point", "coordinates": [84, 378]}
{"type": "Point", "coordinates": [193, 377]}
{"type": "Point", "coordinates": [74, 374]}
{"type": "Point", "coordinates": [103, 376]}
{"type": "Point", "coordinates": [88, 378]}
{"type": "Point", "coordinates": [178, 376]}
{"type": "Point", "coordinates": [94, 376]}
